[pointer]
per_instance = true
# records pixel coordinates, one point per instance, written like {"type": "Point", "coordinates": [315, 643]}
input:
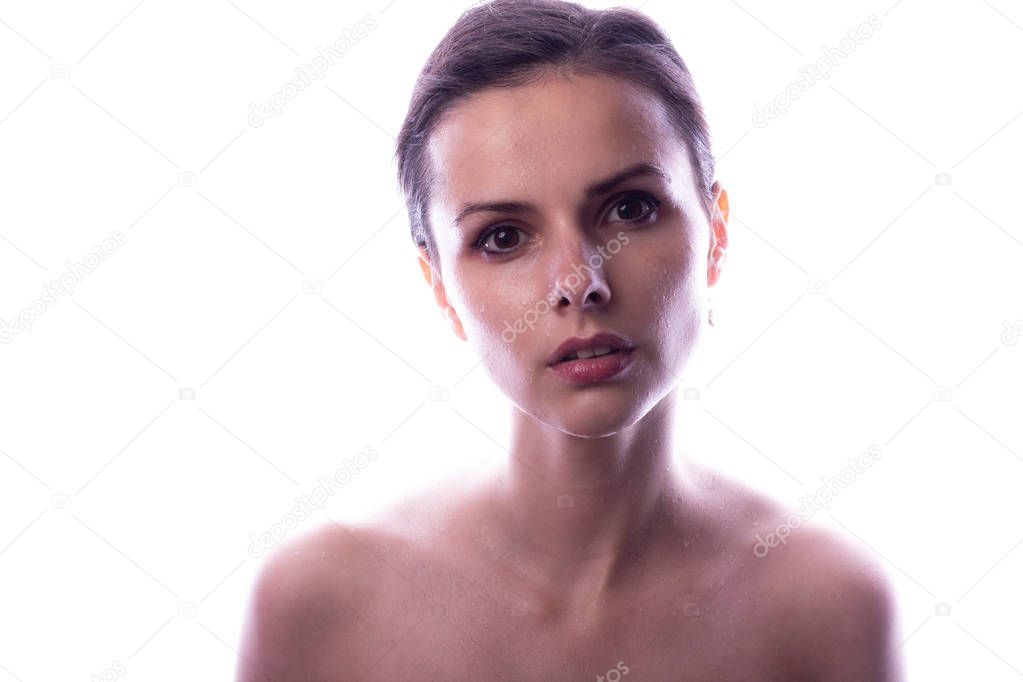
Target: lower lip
{"type": "Point", "coordinates": [593, 369]}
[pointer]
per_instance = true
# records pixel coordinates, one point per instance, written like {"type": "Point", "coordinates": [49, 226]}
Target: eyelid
{"type": "Point", "coordinates": [649, 198]}
{"type": "Point", "coordinates": [488, 232]}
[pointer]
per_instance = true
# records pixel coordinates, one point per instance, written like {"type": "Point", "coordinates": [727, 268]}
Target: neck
{"type": "Point", "coordinates": [588, 510]}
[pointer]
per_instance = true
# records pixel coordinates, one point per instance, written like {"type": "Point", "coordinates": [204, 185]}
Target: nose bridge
{"type": "Point", "coordinates": [575, 244]}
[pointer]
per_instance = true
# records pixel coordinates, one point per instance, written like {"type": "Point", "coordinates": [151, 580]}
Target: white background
{"type": "Point", "coordinates": [128, 511]}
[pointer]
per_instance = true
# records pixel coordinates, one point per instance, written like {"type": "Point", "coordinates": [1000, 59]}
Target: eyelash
{"type": "Point", "coordinates": [654, 203]}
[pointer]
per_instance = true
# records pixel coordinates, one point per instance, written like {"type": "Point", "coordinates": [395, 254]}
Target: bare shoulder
{"type": "Point", "coordinates": [823, 598]}
{"type": "Point", "coordinates": [332, 598]}
{"type": "Point", "coordinates": [312, 587]}
{"type": "Point", "coordinates": [843, 606]}
{"type": "Point", "coordinates": [840, 605]}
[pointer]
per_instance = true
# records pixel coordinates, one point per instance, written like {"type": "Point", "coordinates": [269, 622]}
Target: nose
{"type": "Point", "coordinates": [581, 279]}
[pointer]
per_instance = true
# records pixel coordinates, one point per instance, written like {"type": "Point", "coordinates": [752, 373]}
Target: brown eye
{"type": "Point", "coordinates": [504, 237]}
{"type": "Point", "coordinates": [631, 209]}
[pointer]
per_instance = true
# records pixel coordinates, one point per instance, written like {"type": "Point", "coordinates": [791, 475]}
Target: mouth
{"type": "Point", "coordinates": [594, 369]}
{"type": "Point", "coordinates": [580, 349]}
{"type": "Point", "coordinates": [587, 355]}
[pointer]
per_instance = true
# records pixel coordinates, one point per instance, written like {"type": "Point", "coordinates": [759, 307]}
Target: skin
{"type": "Point", "coordinates": [650, 567]}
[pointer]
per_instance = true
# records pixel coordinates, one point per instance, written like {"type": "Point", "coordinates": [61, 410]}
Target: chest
{"type": "Point", "coordinates": [472, 632]}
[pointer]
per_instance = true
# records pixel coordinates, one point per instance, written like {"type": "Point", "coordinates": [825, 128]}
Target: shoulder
{"type": "Point", "coordinates": [312, 586]}
{"type": "Point", "coordinates": [835, 605]}
{"type": "Point", "coordinates": [824, 599]}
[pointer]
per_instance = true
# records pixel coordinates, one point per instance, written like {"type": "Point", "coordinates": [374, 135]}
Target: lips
{"type": "Point", "coordinates": [575, 343]}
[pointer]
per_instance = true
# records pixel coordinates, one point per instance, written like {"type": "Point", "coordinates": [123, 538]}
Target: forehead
{"type": "Point", "coordinates": [549, 138]}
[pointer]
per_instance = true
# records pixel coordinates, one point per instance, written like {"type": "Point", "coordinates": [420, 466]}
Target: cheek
{"type": "Point", "coordinates": [667, 288]}
{"type": "Point", "coordinates": [665, 275]}
{"type": "Point", "coordinates": [500, 311]}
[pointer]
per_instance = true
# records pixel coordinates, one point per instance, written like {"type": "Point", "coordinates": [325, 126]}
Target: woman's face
{"type": "Point", "coordinates": [643, 249]}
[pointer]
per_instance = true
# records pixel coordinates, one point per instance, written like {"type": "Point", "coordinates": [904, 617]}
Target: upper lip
{"type": "Point", "coordinates": [574, 343]}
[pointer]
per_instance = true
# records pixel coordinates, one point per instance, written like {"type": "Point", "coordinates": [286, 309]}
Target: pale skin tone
{"type": "Point", "coordinates": [647, 562]}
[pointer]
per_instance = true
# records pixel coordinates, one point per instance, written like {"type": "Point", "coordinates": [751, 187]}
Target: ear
{"type": "Point", "coordinates": [718, 234]}
{"type": "Point", "coordinates": [437, 286]}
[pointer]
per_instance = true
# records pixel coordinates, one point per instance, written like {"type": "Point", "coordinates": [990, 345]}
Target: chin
{"type": "Point", "coordinates": [592, 416]}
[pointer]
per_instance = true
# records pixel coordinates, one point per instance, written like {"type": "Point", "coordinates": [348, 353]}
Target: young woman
{"type": "Point", "coordinates": [560, 188]}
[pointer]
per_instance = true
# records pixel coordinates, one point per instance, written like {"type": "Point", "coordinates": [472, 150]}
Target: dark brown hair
{"type": "Point", "coordinates": [506, 43]}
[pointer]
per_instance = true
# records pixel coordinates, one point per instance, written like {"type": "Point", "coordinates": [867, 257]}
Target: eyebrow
{"type": "Point", "coordinates": [595, 190]}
